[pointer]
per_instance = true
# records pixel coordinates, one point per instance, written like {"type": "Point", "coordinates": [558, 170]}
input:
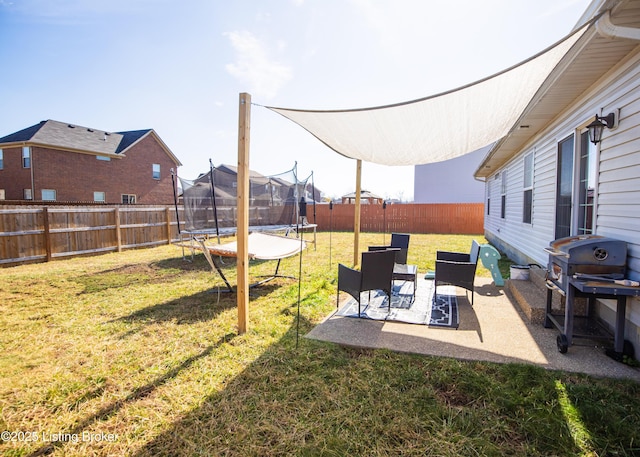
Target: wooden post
{"type": "Point", "coordinates": [116, 215]}
{"type": "Point", "coordinates": [167, 215]}
{"type": "Point", "coordinates": [242, 265]}
{"type": "Point", "coordinates": [356, 217]}
{"type": "Point", "coordinates": [47, 232]}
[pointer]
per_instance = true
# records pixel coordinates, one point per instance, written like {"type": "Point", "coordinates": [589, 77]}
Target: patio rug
{"type": "Point", "coordinates": [443, 312]}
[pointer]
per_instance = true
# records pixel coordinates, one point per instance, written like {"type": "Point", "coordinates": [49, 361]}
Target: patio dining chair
{"type": "Point", "coordinates": [457, 268]}
{"type": "Point", "coordinates": [400, 242]}
{"type": "Point", "coordinates": [375, 273]}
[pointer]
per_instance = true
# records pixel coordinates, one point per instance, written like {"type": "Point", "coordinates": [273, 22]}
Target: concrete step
{"type": "Point", "coordinates": [531, 295]}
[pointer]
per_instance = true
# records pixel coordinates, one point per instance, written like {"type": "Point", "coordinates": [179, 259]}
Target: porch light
{"type": "Point", "coordinates": [597, 126]}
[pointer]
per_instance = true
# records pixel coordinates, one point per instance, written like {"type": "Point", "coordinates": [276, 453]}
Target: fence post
{"type": "Point", "coordinates": [167, 214]}
{"type": "Point", "coordinates": [116, 213]}
{"type": "Point", "coordinates": [47, 233]}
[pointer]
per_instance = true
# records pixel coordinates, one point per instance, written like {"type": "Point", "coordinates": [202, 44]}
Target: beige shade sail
{"type": "Point", "coordinates": [439, 127]}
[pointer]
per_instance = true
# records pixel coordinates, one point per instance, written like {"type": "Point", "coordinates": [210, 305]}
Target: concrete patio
{"type": "Point", "coordinates": [495, 329]}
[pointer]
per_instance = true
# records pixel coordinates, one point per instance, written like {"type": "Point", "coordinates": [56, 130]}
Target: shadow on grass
{"type": "Point", "coordinates": [323, 399]}
{"type": "Point", "coordinates": [137, 394]}
{"type": "Point", "coordinates": [202, 306]}
{"type": "Point", "coordinates": [139, 273]}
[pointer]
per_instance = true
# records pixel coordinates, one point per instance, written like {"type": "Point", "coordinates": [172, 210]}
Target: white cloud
{"type": "Point", "coordinates": [253, 65]}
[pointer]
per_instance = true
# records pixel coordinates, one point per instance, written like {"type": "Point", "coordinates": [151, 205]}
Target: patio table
{"type": "Point", "coordinates": [403, 272]}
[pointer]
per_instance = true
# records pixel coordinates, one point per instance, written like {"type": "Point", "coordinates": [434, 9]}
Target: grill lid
{"type": "Point", "coordinates": [590, 249]}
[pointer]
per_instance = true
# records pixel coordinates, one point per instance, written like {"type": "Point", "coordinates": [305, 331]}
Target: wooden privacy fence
{"type": "Point", "coordinates": [43, 233]}
{"type": "Point", "coordinates": [458, 218]}
{"type": "Point", "coordinates": [39, 233]}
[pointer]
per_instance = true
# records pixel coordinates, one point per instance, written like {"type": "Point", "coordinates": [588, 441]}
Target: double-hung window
{"type": "Point", "coordinates": [155, 171]}
{"type": "Point", "coordinates": [26, 157]}
{"type": "Point", "coordinates": [587, 185]}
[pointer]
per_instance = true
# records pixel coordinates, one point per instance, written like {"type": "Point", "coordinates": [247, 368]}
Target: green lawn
{"type": "Point", "coordinates": [135, 353]}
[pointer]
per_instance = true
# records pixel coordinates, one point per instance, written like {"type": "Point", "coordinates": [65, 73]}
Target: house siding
{"type": "Point", "coordinates": [617, 189]}
{"type": "Point", "coordinates": [450, 181]}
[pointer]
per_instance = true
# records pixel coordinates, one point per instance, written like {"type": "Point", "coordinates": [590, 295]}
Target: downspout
{"type": "Point", "coordinates": [608, 29]}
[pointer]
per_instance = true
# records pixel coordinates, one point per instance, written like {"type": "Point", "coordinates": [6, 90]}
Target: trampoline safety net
{"type": "Point", "coordinates": [277, 201]}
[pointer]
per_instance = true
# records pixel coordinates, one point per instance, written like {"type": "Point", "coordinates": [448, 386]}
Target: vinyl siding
{"type": "Point", "coordinates": [618, 178]}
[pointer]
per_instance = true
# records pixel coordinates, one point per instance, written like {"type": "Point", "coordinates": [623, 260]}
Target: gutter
{"type": "Point", "coordinates": [608, 29]}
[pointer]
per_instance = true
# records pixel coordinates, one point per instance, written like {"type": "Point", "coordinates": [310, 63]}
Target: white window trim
{"type": "Point", "coordinates": [26, 154]}
{"type": "Point", "coordinates": [54, 193]}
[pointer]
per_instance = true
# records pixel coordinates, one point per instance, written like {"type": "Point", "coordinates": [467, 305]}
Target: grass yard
{"type": "Point", "coordinates": [136, 354]}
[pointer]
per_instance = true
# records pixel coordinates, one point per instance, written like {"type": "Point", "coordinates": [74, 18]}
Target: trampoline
{"type": "Point", "coordinates": [277, 210]}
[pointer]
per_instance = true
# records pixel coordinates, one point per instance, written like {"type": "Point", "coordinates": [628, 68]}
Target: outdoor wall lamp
{"type": "Point", "coordinates": [597, 126]}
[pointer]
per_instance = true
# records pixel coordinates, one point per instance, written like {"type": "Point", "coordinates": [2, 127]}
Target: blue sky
{"type": "Point", "coordinates": [179, 67]}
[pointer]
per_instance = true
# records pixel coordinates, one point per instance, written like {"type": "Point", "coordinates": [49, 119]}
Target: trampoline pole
{"type": "Point", "coordinates": [213, 199]}
{"type": "Point", "coordinates": [175, 199]}
{"type": "Point", "coordinates": [175, 204]}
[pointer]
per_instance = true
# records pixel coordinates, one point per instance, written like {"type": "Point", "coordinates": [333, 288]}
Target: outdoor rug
{"type": "Point", "coordinates": [443, 312]}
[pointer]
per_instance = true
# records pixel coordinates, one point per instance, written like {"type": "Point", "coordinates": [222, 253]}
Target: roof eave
{"type": "Point", "coordinates": [561, 90]}
{"type": "Point", "coordinates": [30, 143]}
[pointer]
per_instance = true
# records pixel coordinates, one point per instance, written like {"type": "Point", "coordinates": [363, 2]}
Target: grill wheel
{"type": "Point", "coordinates": [563, 343]}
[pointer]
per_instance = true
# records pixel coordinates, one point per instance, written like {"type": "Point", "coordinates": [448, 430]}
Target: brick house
{"type": "Point", "coordinates": [57, 161]}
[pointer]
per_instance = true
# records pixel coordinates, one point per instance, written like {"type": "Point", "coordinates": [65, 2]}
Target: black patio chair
{"type": "Point", "coordinates": [376, 271]}
{"type": "Point", "coordinates": [457, 268]}
{"type": "Point", "coordinates": [399, 241]}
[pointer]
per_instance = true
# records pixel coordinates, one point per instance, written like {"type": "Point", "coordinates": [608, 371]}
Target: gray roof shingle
{"type": "Point", "coordinates": [81, 139]}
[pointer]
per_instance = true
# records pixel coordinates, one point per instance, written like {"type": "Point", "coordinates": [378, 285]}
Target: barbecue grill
{"type": "Point", "coordinates": [588, 266]}
{"type": "Point", "coordinates": [586, 255]}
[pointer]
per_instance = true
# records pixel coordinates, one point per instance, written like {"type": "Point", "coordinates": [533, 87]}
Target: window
{"type": "Point", "coordinates": [587, 184]}
{"type": "Point", "coordinates": [104, 158]}
{"type": "Point", "coordinates": [26, 157]}
{"type": "Point", "coordinates": [2, 197]}
{"type": "Point", "coordinates": [155, 171]}
{"type": "Point", "coordinates": [27, 194]}
{"type": "Point", "coordinates": [527, 207]}
{"type": "Point", "coordinates": [128, 199]}
{"type": "Point", "coordinates": [48, 195]}
{"type": "Point", "coordinates": [1, 159]}
{"type": "Point", "coordinates": [503, 191]}
{"type": "Point", "coordinates": [99, 197]}
{"type": "Point", "coordinates": [488, 206]}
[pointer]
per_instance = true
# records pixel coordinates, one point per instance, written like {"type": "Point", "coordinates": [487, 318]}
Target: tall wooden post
{"type": "Point", "coordinates": [244, 128]}
{"type": "Point", "coordinates": [356, 221]}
